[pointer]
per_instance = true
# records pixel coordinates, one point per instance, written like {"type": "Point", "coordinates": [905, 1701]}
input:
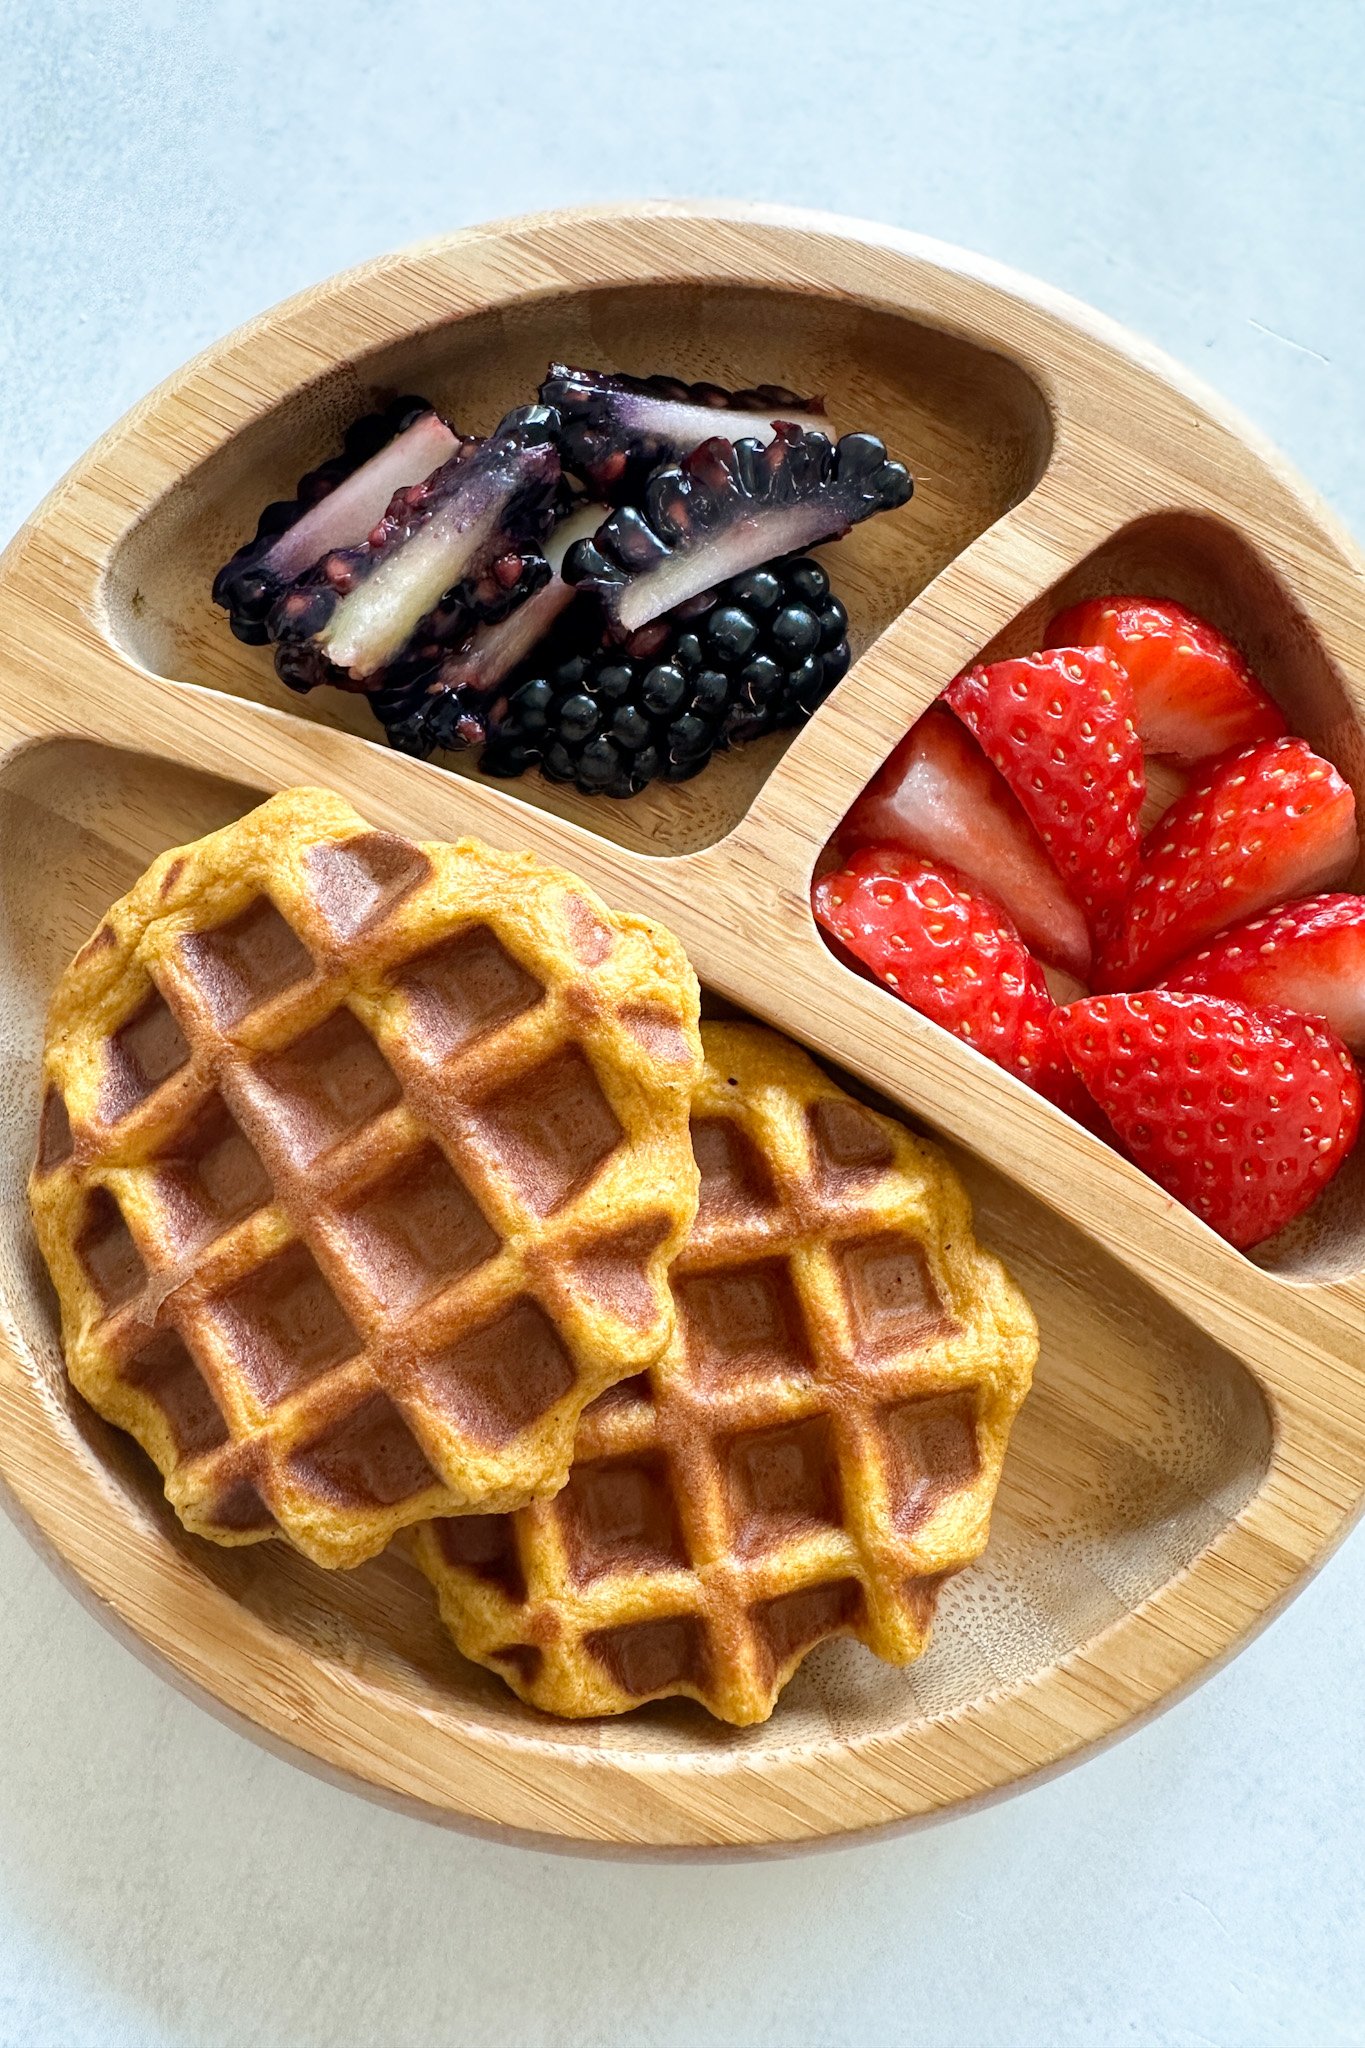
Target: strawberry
{"type": "Point", "coordinates": [1258, 827]}
{"type": "Point", "coordinates": [1194, 693]}
{"type": "Point", "coordinates": [938, 795]}
{"type": "Point", "coordinates": [922, 931]}
{"type": "Point", "coordinates": [1243, 1115]}
{"type": "Point", "coordinates": [1060, 728]}
{"type": "Point", "coordinates": [1308, 957]}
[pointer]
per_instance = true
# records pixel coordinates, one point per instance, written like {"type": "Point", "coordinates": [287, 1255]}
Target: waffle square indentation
{"type": "Point", "coordinates": [240, 1509]}
{"type": "Point", "coordinates": [284, 1324]}
{"type": "Point", "coordinates": [463, 988]}
{"type": "Point", "coordinates": [736, 1180]}
{"type": "Point", "coordinates": [370, 1458]}
{"type": "Point", "coordinates": [931, 1454]}
{"type": "Point", "coordinates": [551, 1129]}
{"type": "Point", "coordinates": [55, 1141]}
{"type": "Point", "coordinates": [615, 1276]}
{"type": "Point", "coordinates": [142, 1054]}
{"type": "Point", "coordinates": [209, 1177]}
{"type": "Point", "coordinates": [499, 1378]}
{"type": "Point", "coordinates": [782, 1483]}
{"type": "Point", "coordinates": [742, 1321]}
{"type": "Point", "coordinates": [846, 1142]}
{"type": "Point", "coordinates": [166, 1372]}
{"type": "Point", "coordinates": [485, 1545]}
{"type": "Point", "coordinates": [356, 883]}
{"type": "Point", "coordinates": [326, 1085]}
{"type": "Point", "coordinates": [794, 1622]}
{"type": "Point", "coordinates": [525, 1659]}
{"type": "Point", "coordinates": [106, 1249]}
{"type": "Point", "coordinates": [659, 1032]}
{"type": "Point", "coordinates": [240, 965]}
{"type": "Point", "coordinates": [893, 1304]}
{"type": "Point", "coordinates": [591, 938]}
{"type": "Point", "coordinates": [617, 1515]}
{"type": "Point", "coordinates": [418, 1230]}
{"type": "Point", "coordinates": [636, 1392]}
{"type": "Point", "coordinates": [645, 1657]}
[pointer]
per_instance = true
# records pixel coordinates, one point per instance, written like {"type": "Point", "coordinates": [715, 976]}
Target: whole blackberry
{"type": "Point", "coordinates": [760, 655]}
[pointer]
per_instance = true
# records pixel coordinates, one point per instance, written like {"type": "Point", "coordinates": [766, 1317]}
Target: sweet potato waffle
{"type": "Point", "coordinates": [362, 1165]}
{"type": "Point", "coordinates": [816, 1450]}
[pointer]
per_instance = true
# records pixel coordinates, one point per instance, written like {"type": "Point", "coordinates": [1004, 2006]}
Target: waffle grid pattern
{"type": "Point", "coordinates": [361, 1168]}
{"type": "Point", "coordinates": [817, 1449]}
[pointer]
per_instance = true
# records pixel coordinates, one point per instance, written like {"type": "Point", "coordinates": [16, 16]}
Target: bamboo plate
{"type": "Point", "coordinates": [1196, 1440]}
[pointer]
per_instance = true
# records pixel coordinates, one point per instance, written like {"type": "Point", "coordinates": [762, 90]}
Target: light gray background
{"type": "Point", "coordinates": [1196, 171]}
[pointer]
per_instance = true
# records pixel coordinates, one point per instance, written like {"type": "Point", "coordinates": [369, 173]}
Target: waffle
{"type": "Point", "coordinates": [816, 1450]}
{"type": "Point", "coordinates": [361, 1168]}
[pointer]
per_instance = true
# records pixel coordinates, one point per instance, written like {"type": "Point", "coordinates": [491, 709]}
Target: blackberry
{"type": "Point", "coordinates": [335, 506]}
{"type": "Point", "coordinates": [499, 645]}
{"type": "Point", "coordinates": [465, 544]}
{"type": "Point", "coordinates": [613, 716]}
{"type": "Point", "coordinates": [439, 574]}
{"type": "Point", "coordinates": [614, 430]}
{"type": "Point", "coordinates": [724, 510]}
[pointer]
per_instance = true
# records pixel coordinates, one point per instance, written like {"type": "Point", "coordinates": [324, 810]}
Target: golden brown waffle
{"type": "Point", "coordinates": [361, 1168]}
{"type": "Point", "coordinates": [816, 1450]}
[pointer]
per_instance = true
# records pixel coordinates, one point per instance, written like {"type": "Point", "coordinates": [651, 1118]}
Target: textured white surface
{"type": "Point", "coordinates": [1197, 172]}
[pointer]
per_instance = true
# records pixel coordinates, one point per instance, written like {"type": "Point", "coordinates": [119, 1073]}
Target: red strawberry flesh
{"type": "Point", "coordinates": [1259, 827]}
{"type": "Point", "coordinates": [1195, 696]}
{"type": "Point", "coordinates": [921, 930]}
{"type": "Point", "coordinates": [1308, 957]}
{"type": "Point", "coordinates": [938, 795]}
{"type": "Point", "coordinates": [1243, 1115]}
{"type": "Point", "coordinates": [1060, 728]}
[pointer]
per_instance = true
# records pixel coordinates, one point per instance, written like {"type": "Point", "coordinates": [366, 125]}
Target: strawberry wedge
{"type": "Point", "coordinates": [1195, 695]}
{"type": "Point", "coordinates": [1259, 827]}
{"type": "Point", "coordinates": [939, 796]}
{"type": "Point", "coordinates": [1308, 957]}
{"type": "Point", "coordinates": [1060, 728]}
{"type": "Point", "coordinates": [921, 930]}
{"type": "Point", "coordinates": [1243, 1115]}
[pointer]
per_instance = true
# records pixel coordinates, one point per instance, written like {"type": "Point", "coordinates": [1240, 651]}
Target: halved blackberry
{"type": "Point", "coordinates": [614, 715]}
{"type": "Point", "coordinates": [725, 509]}
{"type": "Point", "coordinates": [335, 505]}
{"type": "Point", "coordinates": [447, 706]}
{"type": "Point", "coordinates": [463, 545]}
{"type": "Point", "coordinates": [614, 430]}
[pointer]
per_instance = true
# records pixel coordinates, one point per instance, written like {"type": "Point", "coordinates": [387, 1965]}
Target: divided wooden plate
{"type": "Point", "coordinates": [1196, 1441]}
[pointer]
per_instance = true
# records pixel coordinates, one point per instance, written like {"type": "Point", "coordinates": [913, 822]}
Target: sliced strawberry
{"type": "Point", "coordinates": [1194, 693]}
{"type": "Point", "coordinates": [1260, 826]}
{"type": "Point", "coordinates": [938, 795]}
{"type": "Point", "coordinates": [1243, 1115]}
{"type": "Point", "coordinates": [1060, 729]}
{"type": "Point", "coordinates": [921, 930]}
{"type": "Point", "coordinates": [1308, 957]}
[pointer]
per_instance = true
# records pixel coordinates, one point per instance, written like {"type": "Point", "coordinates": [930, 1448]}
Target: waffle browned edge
{"type": "Point", "coordinates": [816, 1451]}
{"type": "Point", "coordinates": [274, 1027]}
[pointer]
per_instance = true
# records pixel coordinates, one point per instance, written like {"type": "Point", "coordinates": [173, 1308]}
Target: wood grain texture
{"type": "Point", "coordinates": [1196, 1441]}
